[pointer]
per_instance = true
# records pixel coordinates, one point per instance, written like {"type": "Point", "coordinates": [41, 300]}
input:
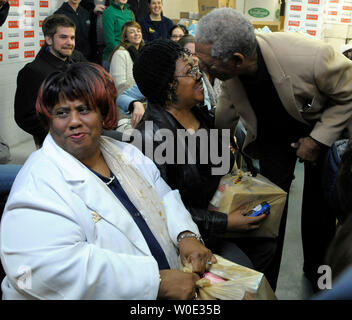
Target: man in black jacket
{"type": "Point", "coordinates": [140, 8]}
{"type": "Point", "coordinates": [57, 53]}
{"type": "Point", "coordinates": [4, 11]}
{"type": "Point", "coordinates": [82, 19]}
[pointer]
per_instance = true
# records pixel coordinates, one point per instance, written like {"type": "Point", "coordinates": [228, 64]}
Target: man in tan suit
{"type": "Point", "coordinates": [294, 96]}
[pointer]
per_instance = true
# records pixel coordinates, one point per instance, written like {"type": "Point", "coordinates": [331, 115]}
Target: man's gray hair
{"type": "Point", "coordinates": [228, 31]}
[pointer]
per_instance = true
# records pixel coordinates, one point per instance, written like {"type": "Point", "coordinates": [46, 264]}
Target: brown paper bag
{"type": "Point", "coordinates": [240, 189]}
{"type": "Point", "coordinates": [241, 283]}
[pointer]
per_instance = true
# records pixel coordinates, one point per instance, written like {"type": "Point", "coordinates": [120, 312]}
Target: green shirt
{"type": "Point", "coordinates": [113, 19]}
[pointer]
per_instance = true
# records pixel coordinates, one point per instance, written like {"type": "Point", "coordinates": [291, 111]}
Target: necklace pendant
{"type": "Point", "coordinates": [111, 180]}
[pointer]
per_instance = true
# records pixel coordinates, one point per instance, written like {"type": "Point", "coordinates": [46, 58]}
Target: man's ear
{"type": "Point", "coordinates": [238, 58]}
{"type": "Point", "coordinates": [48, 40]}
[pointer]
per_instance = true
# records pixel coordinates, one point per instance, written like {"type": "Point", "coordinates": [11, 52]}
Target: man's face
{"type": "Point", "coordinates": [216, 68]}
{"type": "Point", "coordinates": [62, 43]}
{"type": "Point", "coordinates": [74, 2]}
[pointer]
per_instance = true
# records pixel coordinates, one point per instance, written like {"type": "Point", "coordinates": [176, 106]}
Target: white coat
{"type": "Point", "coordinates": [64, 235]}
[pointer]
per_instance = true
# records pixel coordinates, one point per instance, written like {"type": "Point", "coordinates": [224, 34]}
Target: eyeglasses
{"type": "Point", "coordinates": [176, 36]}
{"type": "Point", "coordinates": [194, 72]}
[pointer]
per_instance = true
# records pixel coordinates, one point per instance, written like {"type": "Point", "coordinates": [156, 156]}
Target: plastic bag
{"type": "Point", "coordinates": [241, 283]}
{"type": "Point", "coordinates": [240, 189]}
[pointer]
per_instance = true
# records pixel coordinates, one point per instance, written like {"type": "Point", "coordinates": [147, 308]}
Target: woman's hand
{"type": "Point", "coordinates": [239, 222]}
{"type": "Point", "coordinates": [177, 285]}
{"type": "Point", "coordinates": [195, 255]}
{"type": "Point", "coordinates": [137, 114]}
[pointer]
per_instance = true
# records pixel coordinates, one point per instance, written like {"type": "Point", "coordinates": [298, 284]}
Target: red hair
{"type": "Point", "coordinates": [84, 81]}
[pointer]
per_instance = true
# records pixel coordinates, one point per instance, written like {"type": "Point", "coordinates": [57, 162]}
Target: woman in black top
{"type": "Point", "coordinates": [171, 81]}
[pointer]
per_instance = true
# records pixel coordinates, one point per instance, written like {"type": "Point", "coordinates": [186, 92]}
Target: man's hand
{"type": "Point", "coordinates": [137, 114]}
{"type": "Point", "coordinates": [307, 149]}
{"type": "Point", "coordinates": [98, 8]}
{"type": "Point", "coordinates": [177, 285]}
{"type": "Point", "coordinates": [239, 222]}
{"type": "Point", "coordinates": [195, 255]}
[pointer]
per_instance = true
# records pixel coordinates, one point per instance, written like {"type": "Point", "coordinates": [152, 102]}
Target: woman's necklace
{"type": "Point", "coordinates": [111, 180]}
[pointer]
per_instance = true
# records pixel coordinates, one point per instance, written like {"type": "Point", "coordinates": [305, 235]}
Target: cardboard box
{"type": "Point", "coordinates": [205, 6]}
{"type": "Point", "coordinates": [274, 26]}
{"type": "Point", "coordinates": [184, 15]}
{"type": "Point", "coordinates": [262, 10]}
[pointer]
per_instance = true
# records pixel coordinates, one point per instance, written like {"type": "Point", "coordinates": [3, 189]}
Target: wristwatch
{"type": "Point", "coordinates": [189, 235]}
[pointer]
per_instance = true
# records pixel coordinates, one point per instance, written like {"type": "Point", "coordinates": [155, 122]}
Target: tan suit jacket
{"type": "Point", "coordinates": [313, 81]}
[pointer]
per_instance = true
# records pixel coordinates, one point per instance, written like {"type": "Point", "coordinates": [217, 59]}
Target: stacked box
{"type": "Point", "coordinates": [205, 6]}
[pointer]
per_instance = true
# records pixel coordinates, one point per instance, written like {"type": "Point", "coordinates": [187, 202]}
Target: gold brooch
{"type": "Point", "coordinates": [96, 217]}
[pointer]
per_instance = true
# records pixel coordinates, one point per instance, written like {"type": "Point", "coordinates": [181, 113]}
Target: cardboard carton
{"type": "Point", "coordinates": [205, 6]}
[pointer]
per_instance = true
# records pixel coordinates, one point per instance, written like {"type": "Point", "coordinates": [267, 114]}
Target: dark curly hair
{"type": "Point", "coordinates": [154, 70]}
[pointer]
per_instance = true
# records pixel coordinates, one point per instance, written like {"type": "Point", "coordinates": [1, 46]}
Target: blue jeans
{"type": "Point", "coordinates": [8, 173]}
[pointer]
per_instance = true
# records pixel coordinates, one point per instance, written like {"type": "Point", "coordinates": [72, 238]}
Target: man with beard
{"type": "Point", "coordinates": [82, 19]}
{"type": "Point", "coordinates": [56, 55]}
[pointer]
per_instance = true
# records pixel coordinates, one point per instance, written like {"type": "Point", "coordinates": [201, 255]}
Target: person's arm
{"type": "Point", "coordinates": [119, 70]}
{"type": "Point", "coordinates": [145, 33]}
{"type": "Point", "coordinates": [4, 11]}
{"type": "Point", "coordinates": [332, 75]}
{"type": "Point", "coordinates": [111, 40]}
{"type": "Point", "coordinates": [63, 263]}
{"type": "Point", "coordinates": [28, 84]}
{"type": "Point", "coordinates": [125, 100]}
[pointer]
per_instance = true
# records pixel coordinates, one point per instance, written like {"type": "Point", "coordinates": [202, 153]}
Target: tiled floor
{"type": "Point", "coordinates": [292, 285]}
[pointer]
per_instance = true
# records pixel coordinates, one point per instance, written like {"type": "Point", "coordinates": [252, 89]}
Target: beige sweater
{"type": "Point", "coordinates": [121, 70]}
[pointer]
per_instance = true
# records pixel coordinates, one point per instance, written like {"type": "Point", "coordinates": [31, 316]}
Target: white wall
{"type": "Point", "coordinates": [9, 130]}
{"type": "Point", "coordinates": [172, 8]}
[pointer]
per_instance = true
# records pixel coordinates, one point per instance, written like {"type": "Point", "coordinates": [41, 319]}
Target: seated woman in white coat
{"type": "Point", "coordinates": [121, 65]}
{"type": "Point", "coordinates": [89, 217]}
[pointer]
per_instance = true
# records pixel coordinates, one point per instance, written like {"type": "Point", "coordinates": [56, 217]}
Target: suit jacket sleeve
{"type": "Point", "coordinates": [333, 74]}
{"type": "Point", "coordinates": [226, 116]}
